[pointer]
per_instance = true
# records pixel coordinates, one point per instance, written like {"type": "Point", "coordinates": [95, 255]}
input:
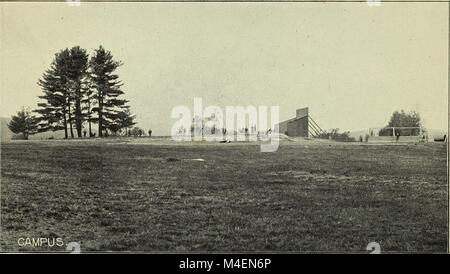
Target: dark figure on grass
{"type": "Point", "coordinates": [84, 133]}
{"type": "Point", "coordinates": [397, 136]}
{"type": "Point", "coordinates": [150, 132]}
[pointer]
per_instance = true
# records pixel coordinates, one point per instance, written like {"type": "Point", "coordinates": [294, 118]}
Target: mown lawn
{"type": "Point", "coordinates": [306, 197]}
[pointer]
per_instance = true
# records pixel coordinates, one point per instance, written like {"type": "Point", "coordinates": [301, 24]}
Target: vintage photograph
{"type": "Point", "coordinates": [183, 127]}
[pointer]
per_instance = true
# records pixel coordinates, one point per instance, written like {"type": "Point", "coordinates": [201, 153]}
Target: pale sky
{"type": "Point", "coordinates": [351, 64]}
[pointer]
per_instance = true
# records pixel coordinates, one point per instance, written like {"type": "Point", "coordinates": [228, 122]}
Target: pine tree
{"type": "Point", "coordinates": [55, 111]}
{"type": "Point", "coordinates": [77, 75]}
{"type": "Point", "coordinates": [64, 85]}
{"type": "Point", "coordinates": [107, 88]}
{"type": "Point", "coordinates": [125, 120]}
{"type": "Point", "coordinates": [23, 122]}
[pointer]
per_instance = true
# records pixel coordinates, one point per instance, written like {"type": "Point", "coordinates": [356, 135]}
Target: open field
{"type": "Point", "coordinates": [156, 196]}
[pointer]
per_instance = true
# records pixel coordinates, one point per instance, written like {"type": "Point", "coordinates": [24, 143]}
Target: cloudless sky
{"type": "Point", "coordinates": [351, 64]}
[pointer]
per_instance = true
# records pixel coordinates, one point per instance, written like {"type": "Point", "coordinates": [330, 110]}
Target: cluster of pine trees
{"type": "Point", "coordinates": [80, 89]}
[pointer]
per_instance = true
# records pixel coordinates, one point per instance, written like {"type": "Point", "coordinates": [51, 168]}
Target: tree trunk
{"type": "Point", "coordinates": [100, 117]}
{"type": "Point", "coordinates": [90, 127]}
{"type": "Point", "coordinates": [70, 121]}
{"type": "Point", "coordinates": [78, 122]}
{"type": "Point", "coordinates": [65, 123]}
{"type": "Point", "coordinates": [71, 127]}
{"type": "Point", "coordinates": [78, 119]}
{"type": "Point", "coordinates": [89, 117]}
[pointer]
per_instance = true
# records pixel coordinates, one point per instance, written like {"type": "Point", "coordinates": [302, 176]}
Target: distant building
{"type": "Point", "coordinates": [297, 126]}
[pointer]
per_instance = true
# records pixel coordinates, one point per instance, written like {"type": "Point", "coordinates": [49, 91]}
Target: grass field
{"type": "Point", "coordinates": [109, 195]}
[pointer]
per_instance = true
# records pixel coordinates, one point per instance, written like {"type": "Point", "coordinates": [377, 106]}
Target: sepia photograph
{"type": "Point", "coordinates": [224, 127]}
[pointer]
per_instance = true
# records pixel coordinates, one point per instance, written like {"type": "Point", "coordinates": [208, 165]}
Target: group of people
{"type": "Point", "coordinates": [128, 133]}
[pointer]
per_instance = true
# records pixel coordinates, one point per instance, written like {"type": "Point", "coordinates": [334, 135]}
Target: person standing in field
{"type": "Point", "coordinates": [150, 132]}
{"type": "Point", "coordinates": [397, 135]}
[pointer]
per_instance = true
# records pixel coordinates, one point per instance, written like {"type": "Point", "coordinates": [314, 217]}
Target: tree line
{"type": "Point", "coordinates": [78, 89]}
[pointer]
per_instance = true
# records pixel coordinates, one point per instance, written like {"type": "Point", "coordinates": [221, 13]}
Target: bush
{"type": "Point", "coordinates": [137, 132]}
{"type": "Point", "coordinates": [336, 136]}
